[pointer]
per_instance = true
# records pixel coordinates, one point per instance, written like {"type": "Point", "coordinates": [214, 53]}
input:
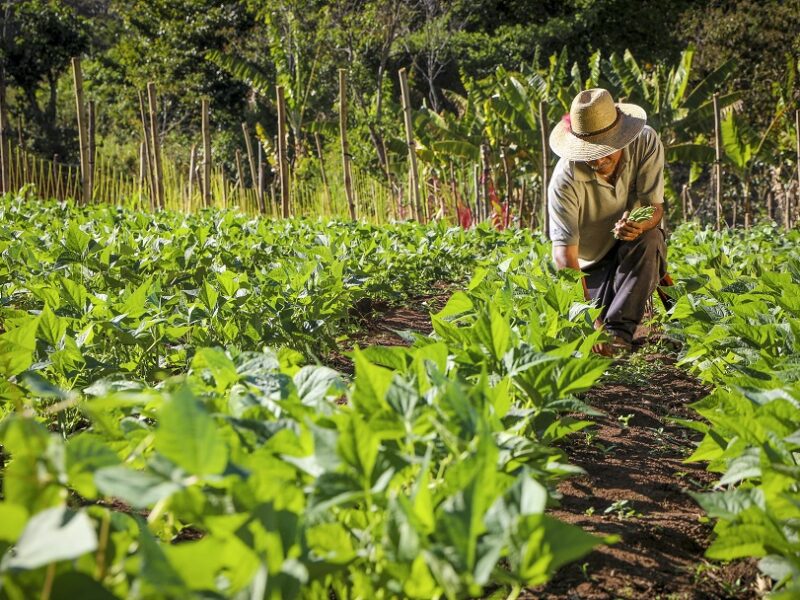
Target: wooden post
{"type": "Point", "coordinates": [239, 171]}
{"type": "Point", "coordinates": [323, 173]}
{"type": "Point", "coordinates": [348, 183]}
{"type": "Point", "coordinates": [412, 150]}
{"type": "Point", "coordinates": [788, 220]}
{"type": "Point", "coordinates": [258, 183]}
{"type": "Point", "coordinates": [252, 162]}
{"type": "Point", "coordinates": [476, 179]}
{"type": "Point", "coordinates": [57, 175]}
{"type": "Point", "coordinates": [192, 167]}
{"type": "Point", "coordinates": [156, 145]}
{"type": "Point", "coordinates": [148, 155]}
{"type": "Point", "coordinates": [544, 126]}
{"type": "Point", "coordinates": [86, 181]}
{"type": "Point", "coordinates": [142, 172]}
{"type": "Point", "coordinates": [717, 162]}
{"type": "Point", "coordinates": [92, 141]}
{"type": "Point", "coordinates": [206, 154]}
{"type": "Point", "coordinates": [21, 132]}
{"type": "Point", "coordinates": [283, 163]}
{"type": "Point", "coordinates": [5, 183]}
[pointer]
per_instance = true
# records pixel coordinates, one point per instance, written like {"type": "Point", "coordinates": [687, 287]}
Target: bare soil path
{"type": "Point", "coordinates": [636, 480]}
{"type": "Point", "coordinates": [636, 486]}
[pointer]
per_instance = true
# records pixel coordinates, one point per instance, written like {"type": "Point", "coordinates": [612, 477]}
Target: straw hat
{"type": "Point", "coordinates": [595, 126]}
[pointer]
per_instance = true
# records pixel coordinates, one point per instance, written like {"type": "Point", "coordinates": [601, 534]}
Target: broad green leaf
{"type": "Point", "coordinates": [421, 584]}
{"type": "Point", "coordinates": [12, 521]}
{"type": "Point", "coordinates": [371, 384]}
{"type": "Point", "coordinates": [17, 348]}
{"type": "Point", "coordinates": [52, 328]}
{"type": "Point", "coordinates": [358, 446]}
{"type": "Point", "coordinates": [86, 453]}
{"type": "Point", "coordinates": [76, 240]}
{"type": "Point", "coordinates": [140, 489]}
{"type": "Point", "coordinates": [217, 363]}
{"type": "Point", "coordinates": [458, 304]}
{"type": "Point", "coordinates": [549, 544]}
{"type": "Point", "coordinates": [134, 305]}
{"type": "Point", "coordinates": [315, 383]}
{"type": "Point", "coordinates": [53, 535]}
{"type": "Point", "coordinates": [155, 568]}
{"type": "Point", "coordinates": [188, 436]}
{"type": "Point", "coordinates": [331, 542]}
{"type": "Point", "coordinates": [70, 585]}
{"type": "Point", "coordinates": [74, 294]}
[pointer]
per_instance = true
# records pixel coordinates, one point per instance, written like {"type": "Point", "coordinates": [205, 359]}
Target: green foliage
{"type": "Point", "coordinates": [739, 316]}
{"type": "Point", "coordinates": [199, 471]}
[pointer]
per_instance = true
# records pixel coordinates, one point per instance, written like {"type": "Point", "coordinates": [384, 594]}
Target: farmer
{"type": "Point", "coordinates": [610, 163]}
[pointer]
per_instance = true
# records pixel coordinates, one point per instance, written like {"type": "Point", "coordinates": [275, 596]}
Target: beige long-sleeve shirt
{"type": "Point", "coordinates": [584, 207]}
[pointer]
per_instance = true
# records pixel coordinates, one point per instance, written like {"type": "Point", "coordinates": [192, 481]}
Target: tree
{"type": "Point", "coordinates": [39, 38]}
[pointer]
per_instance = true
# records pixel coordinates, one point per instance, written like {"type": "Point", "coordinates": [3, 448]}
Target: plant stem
{"type": "Point", "coordinates": [48, 581]}
{"type": "Point", "coordinates": [515, 591]}
{"type": "Point", "coordinates": [101, 548]}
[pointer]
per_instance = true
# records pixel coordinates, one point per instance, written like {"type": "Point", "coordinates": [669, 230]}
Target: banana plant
{"type": "Point", "coordinates": [744, 150]}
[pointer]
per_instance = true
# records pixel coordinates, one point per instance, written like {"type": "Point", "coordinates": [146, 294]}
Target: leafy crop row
{"type": "Point", "coordinates": [130, 294]}
{"type": "Point", "coordinates": [739, 317]}
{"type": "Point", "coordinates": [201, 464]}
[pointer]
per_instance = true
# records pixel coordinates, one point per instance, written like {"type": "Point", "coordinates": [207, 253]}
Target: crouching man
{"type": "Point", "coordinates": [611, 162]}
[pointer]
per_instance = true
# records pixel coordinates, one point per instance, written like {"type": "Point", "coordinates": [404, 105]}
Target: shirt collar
{"type": "Point", "coordinates": [581, 172]}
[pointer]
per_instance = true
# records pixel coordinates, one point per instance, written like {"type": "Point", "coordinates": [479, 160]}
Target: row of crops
{"type": "Point", "coordinates": [170, 428]}
{"type": "Point", "coordinates": [739, 318]}
{"type": "Point", "coordinates": [162, 437]}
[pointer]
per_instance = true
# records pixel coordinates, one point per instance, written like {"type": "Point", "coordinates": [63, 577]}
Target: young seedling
{"type": "Point", "coordinates": [625, 420]}
{"type": "Point", "coordinates": [622, 509]}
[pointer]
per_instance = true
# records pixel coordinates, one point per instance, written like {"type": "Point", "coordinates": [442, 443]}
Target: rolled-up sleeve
{"type": "Point", "coordinates": [562, 205]}
{"type": "Point", "coordinates": [650, 175]}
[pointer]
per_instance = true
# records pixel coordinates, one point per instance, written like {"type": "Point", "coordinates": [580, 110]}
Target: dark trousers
{"type": "Point", "coordinates": [625, 278]}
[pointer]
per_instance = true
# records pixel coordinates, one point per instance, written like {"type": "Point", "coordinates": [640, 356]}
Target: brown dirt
{"type": "Point", "coordinates": [633, 455]}
{"type": "Point", "coordinates": [383, 325]}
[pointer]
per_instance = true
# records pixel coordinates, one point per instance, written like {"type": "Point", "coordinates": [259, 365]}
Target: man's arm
{"type": "Point", "coordinates": [566, 257]}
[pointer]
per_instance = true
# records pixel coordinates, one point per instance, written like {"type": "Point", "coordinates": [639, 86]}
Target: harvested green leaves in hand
{"type": "Point", "coordinates": [638, 215]}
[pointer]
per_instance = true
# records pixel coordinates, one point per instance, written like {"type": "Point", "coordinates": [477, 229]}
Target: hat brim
{"type": "Point", "coordinates": [565, 144]}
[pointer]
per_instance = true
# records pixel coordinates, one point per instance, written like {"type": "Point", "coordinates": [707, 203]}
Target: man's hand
{"type": "Point", "coordinates": [628, 230]}
{"type": "Point", "coordinates": [602, 348]}
{"type": "Point", "coordinates": [566, 257]}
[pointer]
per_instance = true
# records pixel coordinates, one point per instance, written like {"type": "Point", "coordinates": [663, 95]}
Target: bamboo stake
{"type": "Point", "coordinates": [259, 182]}
{"type": "Point", "coordinates": [250, 158]}
{"type": "Point", "coordinates": [412, 151]}
{"type": "Point", "coordinates": [158, 171]}
{"type": "Point", "coordinates": [21, 132]}
{"type": "Point", "coordinates": [142, 170]}
{"type": "Point", "coordinates": [58, 173]}
{"type": "Point", "coordinates": [252, 162]}
{"type": "Point", "coordinates": [5, 184]}
{"type": "Point", "coordinates": [192, 165]}
{"type": "Point", "coordinates": [206, 154]}
{"type": "Point", "coordinates": [92, 143]}
{"type": "Point", "coordinates": [148, 154]}
{"type": "Point", "coordinates": [788, 221]}
{"type": "Point", "coordinates": [86, 181]}
{"type": "Point", "coordinates": [717, 162]}
{"type": "Point", "coordinates": [347, 177]}
{"type": "Point", "coordinates": [239, 171]}
{"type": "Point", "coordinates": [283, 164]}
